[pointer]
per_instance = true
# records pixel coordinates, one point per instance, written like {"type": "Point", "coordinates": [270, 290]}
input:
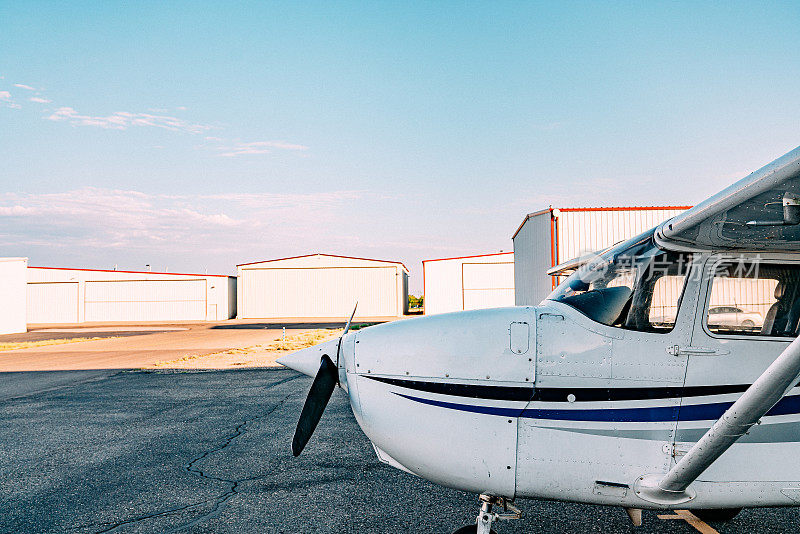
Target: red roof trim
{"type": "Point", "coordinates": [627, 208]}
{"type": "Point", "coordinates": [610, 208]}
{"type": "Point", "coordinates": [329, 255]}
{"type": "Point", "coordinates": [528, 216]}
{"type": "Point", "coordinates": [540, 212]}
{"type": "Point", "coordinates": [467, 257]}
{"type": "Point", "coordinates": [134, 272]}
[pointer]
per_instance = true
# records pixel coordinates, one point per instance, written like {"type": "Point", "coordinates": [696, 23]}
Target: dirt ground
{"type": "Point", "coordinates": [235, 344]}
{"type": "Point", "coordinates": [263, 355]}
{"type": "Point", "coordinates": [228, 345]}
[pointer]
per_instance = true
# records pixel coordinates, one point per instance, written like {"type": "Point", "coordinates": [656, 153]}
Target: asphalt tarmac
{"type": "Point", "coordinates": [209, 452]}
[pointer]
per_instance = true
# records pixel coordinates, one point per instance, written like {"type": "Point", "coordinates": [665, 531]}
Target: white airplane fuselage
{"type": "Point", "coordinates": [544, 402]}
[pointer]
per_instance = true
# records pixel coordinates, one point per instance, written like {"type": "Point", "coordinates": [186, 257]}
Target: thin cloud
{"type": "Point", "coordinates": [156, 117]}
{"type": "Point", "coordinates": [120, 219]}
{"type": "Point", "coordinates": [122, 120]}
{"type": "Point", "coordinates": [258, 147]}
{"type": "Point", "coordinates": [7, 101]}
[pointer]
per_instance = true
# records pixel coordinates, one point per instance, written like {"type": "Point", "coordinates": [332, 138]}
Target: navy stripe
{"type": "Point", "coordinates": [692, 412]}
{"type": "Point", "coordinates": [505, 393]}
{"type": "Point", "coordinates": [525, 394]}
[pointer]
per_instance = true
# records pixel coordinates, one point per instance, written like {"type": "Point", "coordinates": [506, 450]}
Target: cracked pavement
{"type": "Point", "coordinates": [209, 452]}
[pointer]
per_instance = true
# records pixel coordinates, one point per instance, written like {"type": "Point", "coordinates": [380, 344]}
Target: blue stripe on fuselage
{"type": "Point", "coordinates": [691, 412]}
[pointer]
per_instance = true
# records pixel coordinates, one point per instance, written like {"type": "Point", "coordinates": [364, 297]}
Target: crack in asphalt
{"type": "Point", "coordinates": [222, 498]}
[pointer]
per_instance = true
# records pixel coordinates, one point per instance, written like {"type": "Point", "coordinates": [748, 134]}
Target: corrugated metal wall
{"type": "Point", "coordinates": [53, 302]}
{"type": "Point", "coordinates": [582, 232]}
{"type": "Point", "coordinates": [12, 289]}
{"type": "Point", "coordinates": [488, 285]}
{"type": "Point", "coordinates": [532, 258]}
{"type": "Point", "coordinates": [750, 295]}
{"type": "Point", "coordinates": [540, 244]}
{"type": "Point", "coordinates": [146, 300]}
{"type": "Point", "coordinates": [322, 286]}
{"type": "Point", "coordinates": [747, 294]}
{"type": "Point", "coordinates": [78, 295]}
{"type": "Point", "coordinates": [442, 286]}
{"type": "Point", "coordinates": [469, 283]}
{"type": "Point", "coordinates": [325, 292]}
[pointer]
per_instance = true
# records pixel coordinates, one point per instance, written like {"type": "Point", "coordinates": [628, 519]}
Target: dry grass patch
{"type": "Point", "coordinates": [304, 340]}
{"type": "Point", "coordinates": [254, 356]}
{"type": "Point", "coordinates": [43, 343]}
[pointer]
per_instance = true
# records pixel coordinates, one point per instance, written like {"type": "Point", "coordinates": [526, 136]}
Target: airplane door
{"type": "Point", "coordinates": [647, 384]}
{"type": "Point", "coordinates": [605, 409]}
{"type": "Point", "coordinates": [725, 356]}
{"type": "Point", "coordinates": [608, 378]}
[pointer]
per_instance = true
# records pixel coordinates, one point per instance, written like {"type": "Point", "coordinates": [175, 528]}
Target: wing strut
{"type": "Point", "coordinates": [769, 388]}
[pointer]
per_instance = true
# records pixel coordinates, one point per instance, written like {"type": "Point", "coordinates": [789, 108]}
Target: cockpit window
{"type": "Point", "coordinates": [635, 285]}
{"type": "Point", "coordinates": [754, 298]}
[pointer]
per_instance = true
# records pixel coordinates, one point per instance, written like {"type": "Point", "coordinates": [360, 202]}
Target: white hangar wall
{"type": "Point", "coordinates": [322, 285]}
{"type": "Point", "coordinates": [57, 295]}
{"type": "Point", "coordinates": [468, 282]}
{"type": "Point", "coordinates": [12, 289]}
{"type": "Point", "coordinates": [552, 236]}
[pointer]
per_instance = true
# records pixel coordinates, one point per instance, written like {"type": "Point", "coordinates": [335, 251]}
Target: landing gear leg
{"type": "Point", "coordinates": [485, 517]}
{"type": "Point", "coordinates": [483, 523]}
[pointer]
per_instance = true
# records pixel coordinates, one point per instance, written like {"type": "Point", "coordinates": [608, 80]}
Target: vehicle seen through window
{"type": "Point", "coordinates": [754, 299]}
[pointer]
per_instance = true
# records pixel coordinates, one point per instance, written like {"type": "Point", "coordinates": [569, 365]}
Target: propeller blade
{"type": "Point", "coordinates": [350, 320]}
{"type": "Point", "coordinates": [318, 397]}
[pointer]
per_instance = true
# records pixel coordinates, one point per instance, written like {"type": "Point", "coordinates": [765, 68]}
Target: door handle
{"type": "Point", "coordinates": [677, 350]}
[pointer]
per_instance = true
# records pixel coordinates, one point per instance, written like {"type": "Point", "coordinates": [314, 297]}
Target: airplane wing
{"type": "Point", "coordinates": [758, 213]}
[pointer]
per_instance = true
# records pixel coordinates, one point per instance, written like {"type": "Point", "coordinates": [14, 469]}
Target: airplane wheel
{"type": "Point", "coordinates": [470, 529]}
{"type": "Point", "coordinates": [717, 514]}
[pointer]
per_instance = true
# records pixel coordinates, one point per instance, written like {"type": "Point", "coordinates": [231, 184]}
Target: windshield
{"type": "Point", "coordinates": [635, 285]}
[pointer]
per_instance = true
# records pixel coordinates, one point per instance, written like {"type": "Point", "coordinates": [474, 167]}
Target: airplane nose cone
{"type": "Point", "coordinates": [307, 360]}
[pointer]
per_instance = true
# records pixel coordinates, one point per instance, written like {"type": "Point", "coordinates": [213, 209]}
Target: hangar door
{"type": "Point", "coordinates": [146, 300]}
{"type": "Point", "coordinates": [52, 302]}
{"type": "Point", "coordinates": [319, 292]}
{"type": "Point", "coordinates": [487, 285]}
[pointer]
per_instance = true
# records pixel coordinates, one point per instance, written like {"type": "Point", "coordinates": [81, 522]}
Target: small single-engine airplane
{"type": "Point", "coordinates": [619, 388]}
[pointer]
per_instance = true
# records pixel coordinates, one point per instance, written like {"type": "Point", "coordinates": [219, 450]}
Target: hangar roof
{"type": "Point", "coordinates": [135, 272]}
{"type": "Point", "coordinates": [468, 257]}
{"type": "Point", "coordinates": [599, 208]}
{"type": "Point", "coordinates": [326, 255]}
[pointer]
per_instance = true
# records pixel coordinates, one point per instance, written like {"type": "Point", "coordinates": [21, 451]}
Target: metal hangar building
{"type": "Point", "coordinates": [322, 285]}
{"type": "Point", "coordinates": [552, 236]}
{"type": "Point", "coordinates": [60, 295]}
{"type": "Point", "coordinates": [468, 282]}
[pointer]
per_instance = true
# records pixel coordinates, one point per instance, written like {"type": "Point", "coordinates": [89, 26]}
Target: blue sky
{"type": "Point", "coordinates": [198, 135]}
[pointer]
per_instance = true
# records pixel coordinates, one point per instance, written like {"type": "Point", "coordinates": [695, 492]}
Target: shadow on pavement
{"type": "Point", "coordinates": [288, 326]}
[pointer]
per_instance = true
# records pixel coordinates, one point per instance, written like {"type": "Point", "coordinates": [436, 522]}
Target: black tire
{"type": "Point", "coordinates": [469, 529]}
{"type": "Point", "coordinates": [717, 514]}
{"type": "Point", "coordinates": [747, 323]}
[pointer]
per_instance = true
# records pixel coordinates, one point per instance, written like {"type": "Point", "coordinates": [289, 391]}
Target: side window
{"type": "Point", "coordinates": [754, 299]}
{"type": "Point", "coordinates": [666, 297]}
